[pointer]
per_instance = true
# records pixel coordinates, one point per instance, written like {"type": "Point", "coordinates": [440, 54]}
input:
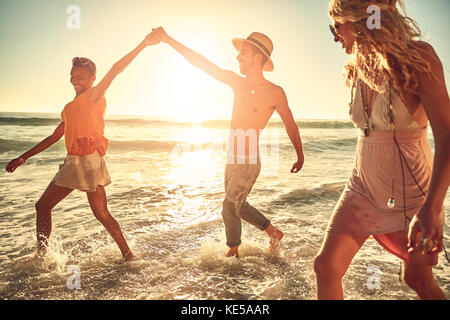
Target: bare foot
{"type": "Point", "coordinates": [41, 252]}
{"type": "Point", "coordinates": [233, 252]}
{"type": "Point", "coordinates": [129, 256]}
{"type": "Point", "coordinates": [275, 236]}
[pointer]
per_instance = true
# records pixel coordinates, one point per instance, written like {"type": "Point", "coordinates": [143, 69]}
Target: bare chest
{"type": "Point", "coordinates": [253, 103]}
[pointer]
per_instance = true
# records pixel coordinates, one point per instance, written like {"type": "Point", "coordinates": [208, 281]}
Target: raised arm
{"type": "Point", "coordinates": [100, 89]}
{"type": "Point", "coordinates": [285, 113]}
{"type": "Point", "coordinates": [41, 146]}
{"type": "Point", "coordinates": [199, 61]}
{"type": "Point", "coordinates": [436, 102]}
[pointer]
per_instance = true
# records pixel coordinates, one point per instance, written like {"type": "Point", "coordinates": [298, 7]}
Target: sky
{"type": "Point", "coordinates": [37, 47]}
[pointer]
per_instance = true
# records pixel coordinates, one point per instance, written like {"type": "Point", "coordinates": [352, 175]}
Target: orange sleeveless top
{"type": "Point", "coordinates": [84, 125]}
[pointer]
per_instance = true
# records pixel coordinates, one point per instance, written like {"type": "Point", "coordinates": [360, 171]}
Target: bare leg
{"type": "Point", "coordinates": [420, 278]}
{"type": "Point", "coordinates": [332, 262]}
{"type": "Point", "coordinates": [97, 201]}
{"type": "Point", "coordinates": [49, 199]}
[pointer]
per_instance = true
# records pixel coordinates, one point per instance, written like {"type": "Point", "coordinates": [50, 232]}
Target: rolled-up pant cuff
{"type": "Point", "coordinates": [264, 227]}
{"type": "Point", "coordinates": [234, 244]}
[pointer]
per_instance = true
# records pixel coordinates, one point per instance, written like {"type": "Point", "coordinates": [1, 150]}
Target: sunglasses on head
{"type": "Point", "coordinates": [333, 31]}
{"type": "Point", "coordinates": [83, 61]}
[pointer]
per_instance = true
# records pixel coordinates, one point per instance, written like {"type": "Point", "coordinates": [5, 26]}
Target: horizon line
{"type": "Point", "coordinates": [167, 118]}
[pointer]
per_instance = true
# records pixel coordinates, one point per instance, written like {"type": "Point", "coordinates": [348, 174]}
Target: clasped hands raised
{"type": "Point", "coordinates": [156, 36]}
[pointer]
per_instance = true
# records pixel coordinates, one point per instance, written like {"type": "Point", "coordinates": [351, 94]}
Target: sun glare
{"type": "Point", "coordinates": [193, 158]}
{"type": "Point", "coordinates": [191, 168]}
{"type": "Point", "coordinates": [193, 95]}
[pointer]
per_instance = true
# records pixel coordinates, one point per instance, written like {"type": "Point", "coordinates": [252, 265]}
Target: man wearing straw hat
{"type": "Point", "coordinates": [255, 100]}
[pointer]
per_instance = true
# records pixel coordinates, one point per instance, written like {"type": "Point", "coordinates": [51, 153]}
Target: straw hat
{"type": "Point", "coordinates": [262, 42]}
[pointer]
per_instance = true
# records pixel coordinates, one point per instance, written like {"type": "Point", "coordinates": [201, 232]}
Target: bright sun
{"type": "Point", "coordinates": [192, 95]}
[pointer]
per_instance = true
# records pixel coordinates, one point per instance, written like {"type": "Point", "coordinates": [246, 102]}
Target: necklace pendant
{"type": "Point", "coordinates": [366, 132]}
{"type": "Point", "coordinates": [391, 203]}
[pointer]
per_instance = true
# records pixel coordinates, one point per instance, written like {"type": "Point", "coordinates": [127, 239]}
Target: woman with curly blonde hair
{"type": "Point", "coordinates": [396, 191]}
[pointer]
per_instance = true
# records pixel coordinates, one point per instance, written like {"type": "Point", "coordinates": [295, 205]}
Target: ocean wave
{"type": "Point", "coordinates": [225, 124]}
{"type": "Point", "coordinates": [330, 144]}
{"type": "Point", "coordinates": [142, 122]}
{"type": "Point", "coordinates": [318, 145]}
{"type": "Point", "coordinates": [325, 124]}
{"type": "Point", "coordinates": [34, 121]}
{"type": "Point", "coordinates": [162, 146]}
{"type": "Point", "coordinates": [329, 191]}
{"type": "Point", "coordinates": [141, 145]}
{"type": "Point", "coordinates": [211, 124]}
{"type": "Point", "coordinates": [7, 145]}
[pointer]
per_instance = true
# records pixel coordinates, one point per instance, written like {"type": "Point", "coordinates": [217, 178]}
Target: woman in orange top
{"type": "Point", "coordinates": [84, 168]}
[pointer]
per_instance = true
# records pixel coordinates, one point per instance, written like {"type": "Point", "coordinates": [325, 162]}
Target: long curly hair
{"type": "Point", "coordinates": [392, 51]}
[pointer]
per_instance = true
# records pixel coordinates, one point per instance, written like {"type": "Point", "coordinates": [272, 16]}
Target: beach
{"type": "Point", "coordinates": [166, 193]}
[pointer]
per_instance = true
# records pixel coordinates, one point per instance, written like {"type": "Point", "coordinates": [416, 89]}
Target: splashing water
{"type": "Point", "coordinates": [169, 209]}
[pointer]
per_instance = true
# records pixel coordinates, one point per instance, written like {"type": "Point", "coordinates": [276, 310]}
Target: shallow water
{"type": "Point", "coordinates": [167, 193]}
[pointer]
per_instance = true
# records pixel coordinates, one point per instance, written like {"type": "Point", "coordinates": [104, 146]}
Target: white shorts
{"type": "Point", "coordinates": [83, 173]}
